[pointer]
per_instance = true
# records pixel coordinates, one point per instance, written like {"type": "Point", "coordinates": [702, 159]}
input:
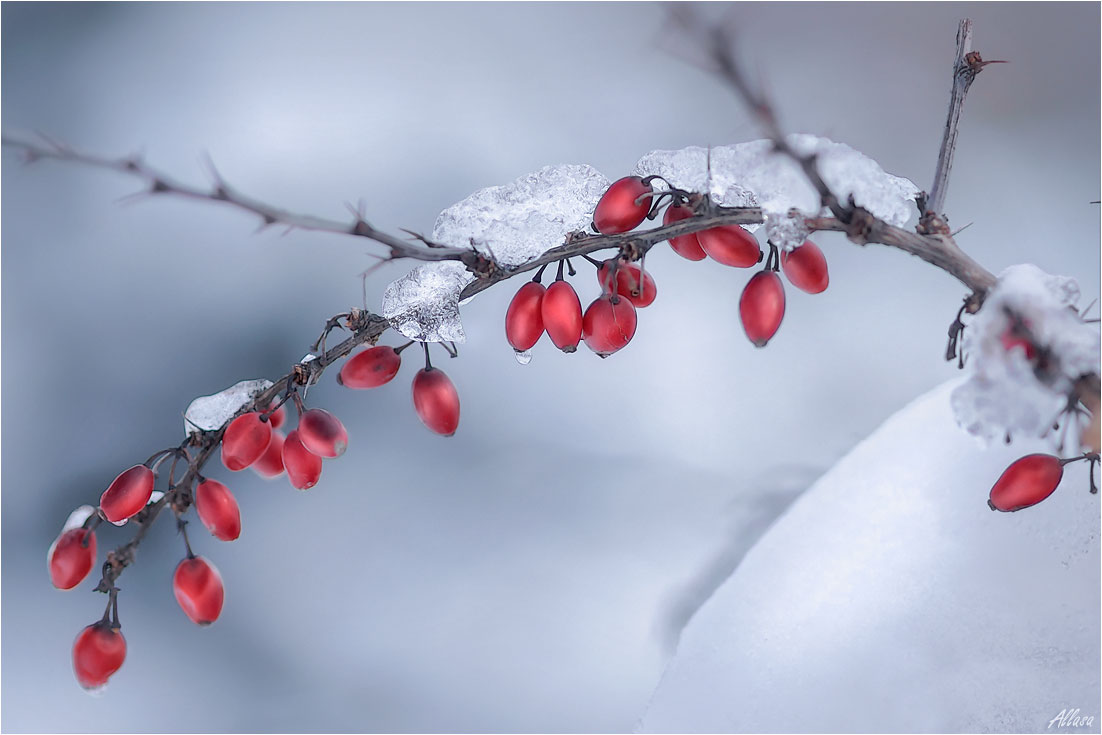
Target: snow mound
{"type": "Point", "coordinates": [208, 413]}
{"type": "Point", "coordinates": [510, 224]}
{"type": "Point", "coordinates": [753, 174]}
{"type": "Point", "coordinates": [890, 598]}
{"type": "Point", "coordinates": [1003, 395]}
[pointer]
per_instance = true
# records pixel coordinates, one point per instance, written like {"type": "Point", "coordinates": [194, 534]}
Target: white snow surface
{"type": "Point", "coordinates": [511, 224]}
{"type": "Point", "coordinates": [890, 598]}
{"type": "Point", "coordinates": [1002, 394]}
{"type": "Point", "coordinates": [753, 174]}
{"type": "Point", "coordinates": [210, 412]}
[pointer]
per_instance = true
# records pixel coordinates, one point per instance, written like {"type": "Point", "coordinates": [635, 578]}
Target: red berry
{"type": "Point", "coordinates": [245, 440]}
{"type": "Point", "coordinates": [730, 245]}
{"type": "Point", "coordinates": [617, 211]}
{"type": "Point", "coordinates": [562, 315]}
{"type": "Point", "coordinates": [524, 319]}
{"type": "Point", "coordinates": [98, 652]}
{"type": "Point", "coordinates": [371, 368]}
{"type": "Point", "coordinates": [1026, 482]}
{"type": "Point", "coordinates": [127, 494]}
{"type": "Point", "coordinates": [609, 324]}
{"type": "Point", "coordinates": [628, 277]}
{"type": "Point", "coordinates": [762, 307]}
{"type": "Point", "coordinates": [270, 463]}
{"type": "Point", "coordinates": [687, 246]}
{"type": "Point", "coordinates": [436, 401]}
{"type": "Point", "coordinates": [1010, 341]}
{"type": "Point", "coordinates": [218, 510]}
{"type": "Point", "coordinates": [806, 268]}
{"type": "Point", "coordinates": [322, 433]}
{"type": "Point", "coordinates": [303, 466]}
{"type": "Point", "coordinates": [198, 588]}
{"type": "Point", "coordinates": [71, 557]}
{"type": "Point", "coordinates": [278, 416]}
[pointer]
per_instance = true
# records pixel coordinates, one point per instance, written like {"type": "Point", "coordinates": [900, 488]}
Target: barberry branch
{"type": "Point", "coordinates": [365, 328]}
{"type": "Point", "coordinates": [862, 227]}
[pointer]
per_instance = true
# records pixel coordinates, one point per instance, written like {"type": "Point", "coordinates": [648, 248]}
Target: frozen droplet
{"type": "Point", "coordinates": [208, 413]}
{"type": "Point", "coordinates": [754, 174]}
{"type": "Point", "coordinates": [524, 357]}
{"type": "Point", "coordinates": [121, 523]}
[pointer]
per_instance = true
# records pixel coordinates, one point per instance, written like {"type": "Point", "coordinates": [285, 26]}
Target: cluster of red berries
{"type": "Point", "coordinates": [609, 322]}
{"type": "Point", "coordinates": [254, 440]}
{"type": "Point", "coordinates": [1031, 479]}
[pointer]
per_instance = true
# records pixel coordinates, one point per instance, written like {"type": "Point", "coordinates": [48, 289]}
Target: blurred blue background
{"type": "Point", "coordinates": [531, 573]}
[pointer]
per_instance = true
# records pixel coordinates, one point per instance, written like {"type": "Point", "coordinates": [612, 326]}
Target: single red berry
{"type": "Point", "coordinates": [218, 510]}
{"type": "Point", "coordinates": [631, 283]}
{"type": "Point", "coordinates": [687, 246]}
{"type": "Point", "coordinates": [562, 315]}
{"type": "Point", "coordinates": [806, 268]}
{"type": "Point", "coordinates": [278, 416]}
{"type": "Point", "coordinates": [609, 324]}
{"type": "Point", "coordinates": [371, 368]}
{"type": "Point", "coordinates": [245, 440]}
{"type": "Point", "coordinates": [436, 401]}
{"type": "Point", "coordinates": [730, 245]}
{"type": "Point", "coordinates": [198, 588]}
{"type": "Point", "coordinates": [127, 494]}
{"type": "Point", "coordinates": [762, 307]}
{"type": "Point", "coordinates": [1010, 340]}
{"type": "Point", "coordinates": [71, 557]}
{"type": "Point", "coordinates": [618, 211]}
{"type": "Point", "coordinates": [98, 652]}
{"type": "Point", "coordinates": [270, 463]}
{"type": "Point", "coordinates": [1026, 482]}
{"type": "Point", "coordinates": [524, 318]}
{"type": "Point", "coordinates": [303, 466]}
{"type": "Point", "coordinates": [322, 433]}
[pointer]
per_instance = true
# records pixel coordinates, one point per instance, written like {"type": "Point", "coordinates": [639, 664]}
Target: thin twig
{"type": "Point", "coordinates": [966, 66]}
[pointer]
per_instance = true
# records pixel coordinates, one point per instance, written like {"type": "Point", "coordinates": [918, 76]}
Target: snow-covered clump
{"type": "Point", "coordinates": [889, 598]}
{"type": "Point", "coordinates": [1003, 395]}
{"type": "Point", "coordinates": [208, 413]}
{"type": "Point", "coordinates": [754, 174]}
{"type": "Point", "coordinates": [510, 224]}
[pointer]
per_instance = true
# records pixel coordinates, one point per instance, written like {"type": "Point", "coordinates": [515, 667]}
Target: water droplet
{"type": "Point", "coordinates": [523, 357]}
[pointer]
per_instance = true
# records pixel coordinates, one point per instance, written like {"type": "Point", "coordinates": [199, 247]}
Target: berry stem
{"type": "Point", "coordinates": [538, 278]}
{"type": "Point", "coordinates": [570, 267]}
{"type": "Point", "coordinates": [428, 362]}
{"type": "Point", "coordinates": [558, 276]}
{"type": "Point", "coordinates": [398, 350]}
{"type": "Point", "coordinates": [181, 526]}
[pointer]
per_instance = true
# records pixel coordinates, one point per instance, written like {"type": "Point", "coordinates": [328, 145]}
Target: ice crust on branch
{"type": "Point", "coordinates": [510, 224]}
{"type": "Point", "coordinates": [754, 174]}
{"type": "Point", "coordinates": [208, 413]}
{"type": "Point", "coordinates": [1003, 394]}
{"type": "Point", "coordinates": [424, 304]}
